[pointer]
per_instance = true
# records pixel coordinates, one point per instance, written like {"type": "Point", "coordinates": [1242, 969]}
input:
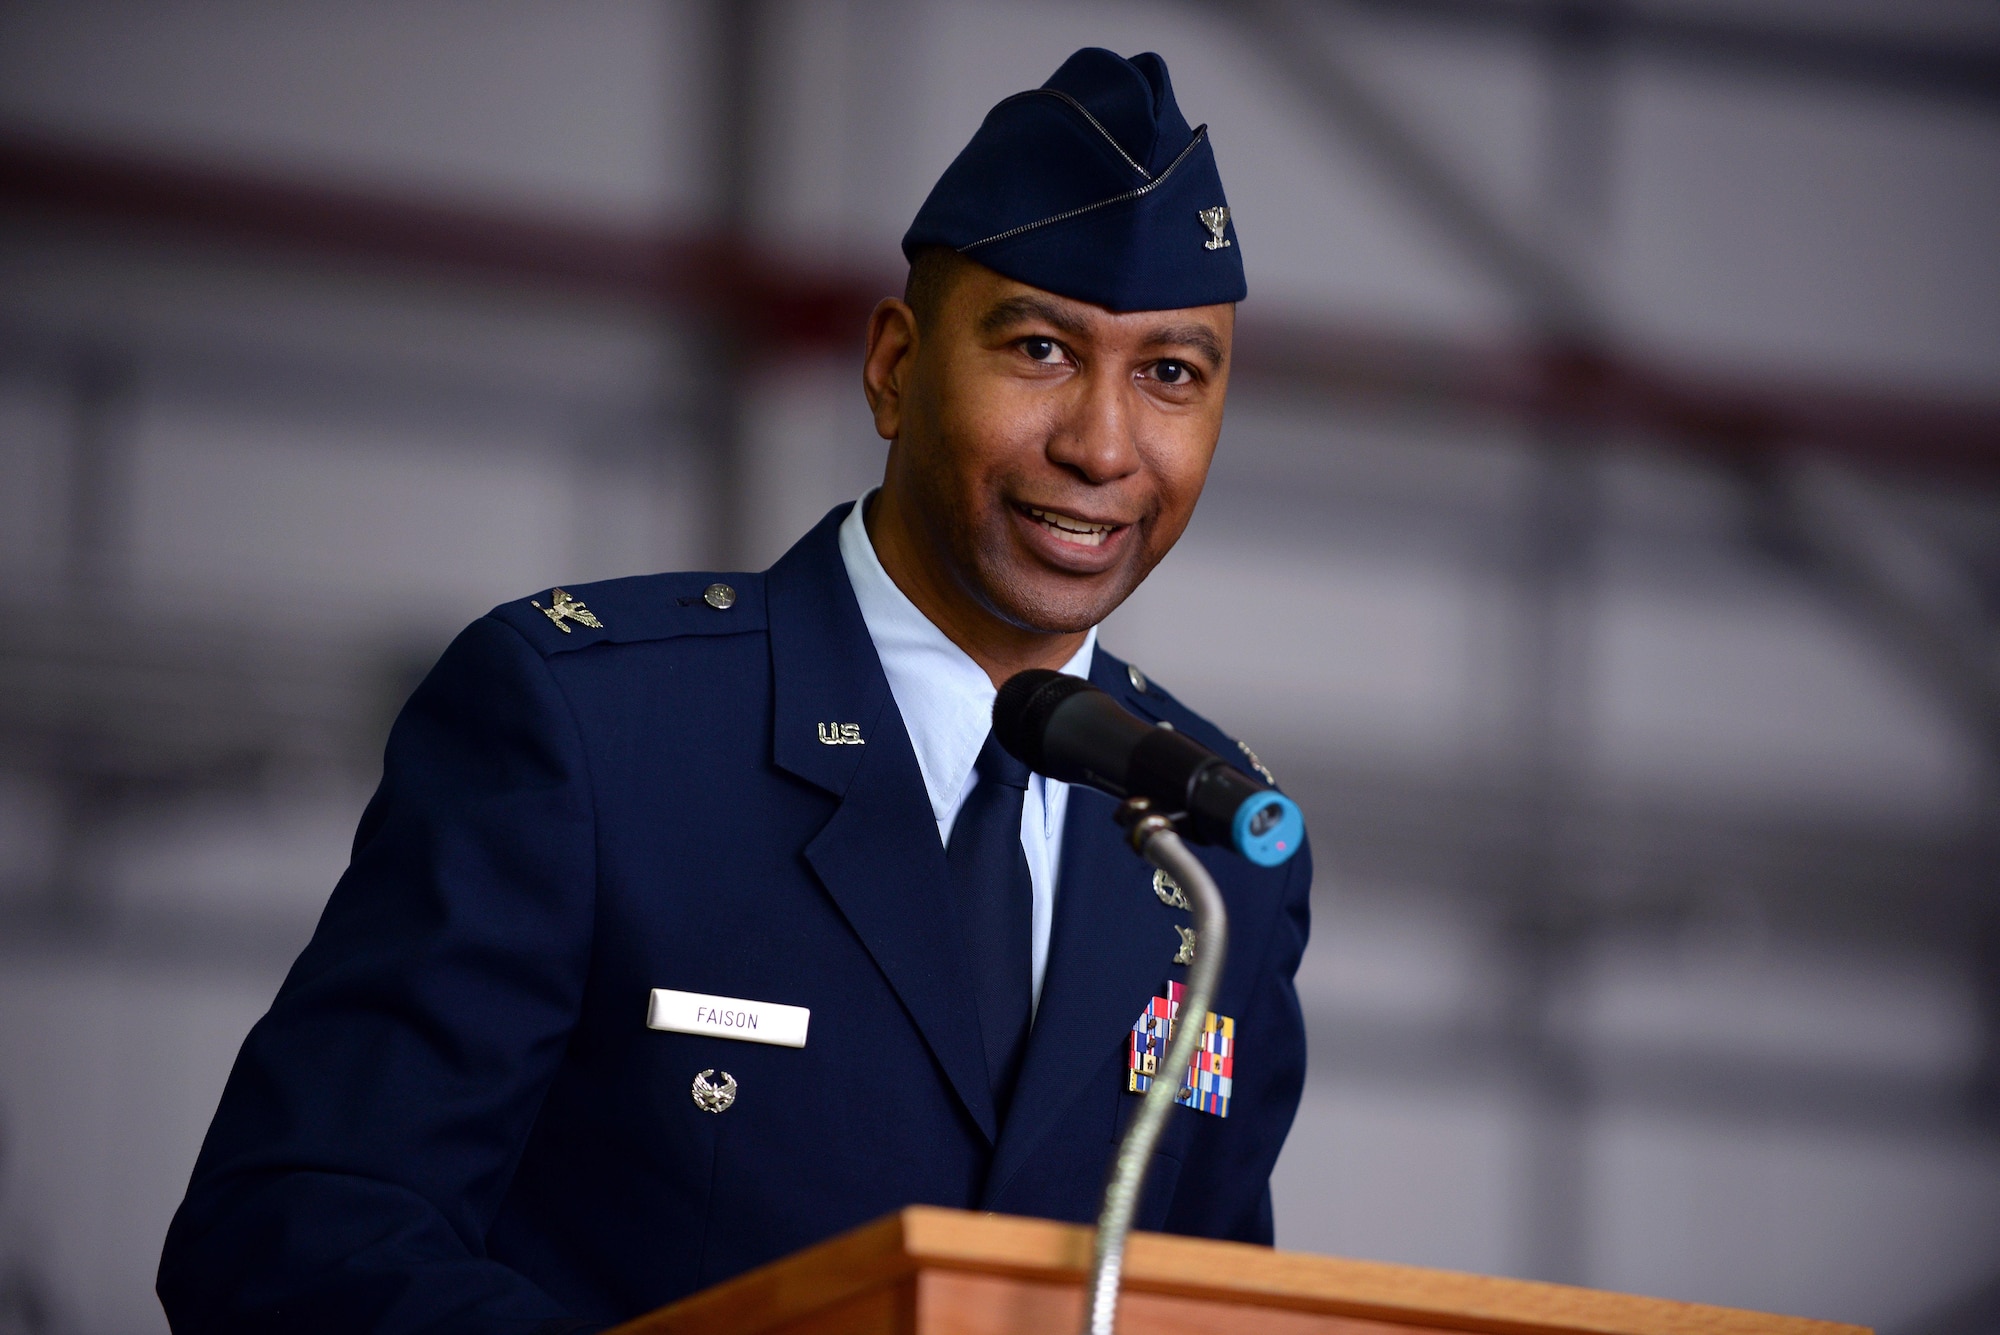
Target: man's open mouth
{"type": "Point", "coordinates": [1080, 531]}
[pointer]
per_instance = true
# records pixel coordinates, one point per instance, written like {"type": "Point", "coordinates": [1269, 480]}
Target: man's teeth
{"type": "Point", "coordinates": [1074, 530]}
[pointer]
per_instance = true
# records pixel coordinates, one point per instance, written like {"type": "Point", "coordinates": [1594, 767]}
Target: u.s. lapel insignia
{"type": "Point", "coordinates": [840, 734]}
{"type": "Point", "coordinates": [1185, 955]}
{"type": "Point", "coordinates": [1215, 220]}
{"type": "Point", "coordinates": [562, 606]}
{"type": "Point", "coordinates": [1169, 890]}
{"type": "Point", "coordinates": [1209, 1080]}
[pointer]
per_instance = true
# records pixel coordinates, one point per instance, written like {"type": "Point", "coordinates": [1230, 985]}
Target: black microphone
{"type": "Point", "coordinates": [1065, 728]}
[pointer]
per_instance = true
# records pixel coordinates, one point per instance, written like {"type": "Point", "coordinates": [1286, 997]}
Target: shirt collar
{"type": "Point", "coordinates": [944, 697]}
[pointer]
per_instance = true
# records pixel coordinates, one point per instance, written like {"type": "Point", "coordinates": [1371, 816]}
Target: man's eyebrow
{"type": "Point", "coordinates": [1197, 336]}
{"type": "Point", "coordinates": [1017, 310]}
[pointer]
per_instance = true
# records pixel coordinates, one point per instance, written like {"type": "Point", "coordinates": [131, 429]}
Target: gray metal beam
{"type": "Point", "coordinates": [1964, 69]}
{"type": "Point", "coordinates": [742, 37]}
{"type": "Point", "coordinates": [1764, 1090]}
{"type": "Point", "coordinates": [1291, 36]}
{"type": "Point", "coordinates": [1645, 864]}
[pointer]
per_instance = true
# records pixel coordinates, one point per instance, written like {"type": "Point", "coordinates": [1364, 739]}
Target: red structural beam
{"type": "Point", "coordinates": [1595, 388]}
{"type": "Point", "coordinates": [780, 305]}
{"type": "Point", "coordinates": [689, 268]}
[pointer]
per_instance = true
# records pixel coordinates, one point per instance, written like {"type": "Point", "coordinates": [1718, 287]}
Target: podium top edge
{"type": "Point", "coordinates": [924, 1237]}
{"type": "Point", "coordinates": [1171, 1263]}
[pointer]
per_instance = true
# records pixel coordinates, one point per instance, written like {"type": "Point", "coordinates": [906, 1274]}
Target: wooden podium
{"type": "Point", "coordinates": [928, 1271]}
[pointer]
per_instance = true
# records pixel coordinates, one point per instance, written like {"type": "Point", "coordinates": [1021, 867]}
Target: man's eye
{"type": "Point", "coordinates": [1172, 372]}
{"type": "Point", "coordinates": [1042, 350]}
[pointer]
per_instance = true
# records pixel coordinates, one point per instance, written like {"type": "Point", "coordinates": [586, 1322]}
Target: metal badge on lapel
{"type": "Point", "coordinates": [1185, 955]}
{"type": "Point", "coordinates": [840, 734]}
{"type": "Point", "coordinates": [1169, 890]}
{"type": "Point", "coordinates": [711, 1097]}
{"type": "Point", "coordinates": [561, 606]}
{"type": "Point", "coordinates": [1208, 1082]}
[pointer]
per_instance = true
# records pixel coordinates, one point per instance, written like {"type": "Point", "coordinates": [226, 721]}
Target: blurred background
{"type": "Point", "coordinates": [1604, 546]}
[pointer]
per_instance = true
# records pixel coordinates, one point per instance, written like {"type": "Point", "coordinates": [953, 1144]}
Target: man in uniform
{"type": "Point", "coordinates": [698, 917]}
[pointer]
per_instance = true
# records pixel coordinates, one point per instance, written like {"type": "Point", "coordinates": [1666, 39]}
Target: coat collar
{"type": "Point", "coordinates": [881, 861]}
{"type": "Point", "coordinates": [823, 665]}
{"type": "Point", "coordinates": [1109, 953]}
{"type": "Point", "coordinates": [879, 855]}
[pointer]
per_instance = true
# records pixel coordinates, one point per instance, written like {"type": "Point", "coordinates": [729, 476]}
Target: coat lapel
{"type": "Point", "coordinates": [879, 856]}
{"type": "Point", "coordinates": [1108, 953]}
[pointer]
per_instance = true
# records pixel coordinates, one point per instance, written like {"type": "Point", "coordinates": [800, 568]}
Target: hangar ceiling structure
{"type": "Point", "coordinates": [1839, 483]}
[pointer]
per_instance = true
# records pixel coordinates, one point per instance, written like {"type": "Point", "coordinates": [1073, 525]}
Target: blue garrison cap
{"type": "Point", "coordinates": [1092, 187]}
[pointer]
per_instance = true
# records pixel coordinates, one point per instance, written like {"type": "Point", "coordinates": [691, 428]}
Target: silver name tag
{"type": "Point", "coordinates": [727, 1017]}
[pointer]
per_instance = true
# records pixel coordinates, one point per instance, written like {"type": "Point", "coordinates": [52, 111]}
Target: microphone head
{"type": "Point", "coordinates": [1022, 708]}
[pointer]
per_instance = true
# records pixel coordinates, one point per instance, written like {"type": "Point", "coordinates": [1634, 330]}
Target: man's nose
{"type": "Point", "coordinates": [1095, 436]}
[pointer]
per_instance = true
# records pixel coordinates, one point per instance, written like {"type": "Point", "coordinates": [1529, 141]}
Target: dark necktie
{"type": "Point", "coordinates": [995, 899]}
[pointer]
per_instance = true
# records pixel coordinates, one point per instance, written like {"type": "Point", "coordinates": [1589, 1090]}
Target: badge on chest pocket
{"type": "Point", "coordinates": [1206, 1084]}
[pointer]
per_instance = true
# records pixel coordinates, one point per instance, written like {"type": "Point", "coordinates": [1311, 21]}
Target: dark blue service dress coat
{"type": "Point", "coordinates": [455, 1118]}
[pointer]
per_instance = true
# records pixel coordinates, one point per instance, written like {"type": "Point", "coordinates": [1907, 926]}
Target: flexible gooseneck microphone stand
{"type": "Point", "coordinates": [1152, 837]}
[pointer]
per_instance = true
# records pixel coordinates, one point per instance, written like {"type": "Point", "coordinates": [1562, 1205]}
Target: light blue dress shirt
{"type": "Point", "coordinates": [947, 707]}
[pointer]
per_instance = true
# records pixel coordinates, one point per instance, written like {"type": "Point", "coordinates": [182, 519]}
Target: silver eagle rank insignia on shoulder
{"type": "Point", "coordinates": [564, 607]}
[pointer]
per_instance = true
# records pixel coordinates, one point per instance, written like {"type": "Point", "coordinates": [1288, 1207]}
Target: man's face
{"type": "Point", "coordinates": [1052, 451]}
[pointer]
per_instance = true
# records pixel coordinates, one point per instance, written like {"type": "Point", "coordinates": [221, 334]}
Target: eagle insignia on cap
{"type": "Point", "coordinates": [1070, 188]}
{"type": "Point", "coordinates": [1215, 220]}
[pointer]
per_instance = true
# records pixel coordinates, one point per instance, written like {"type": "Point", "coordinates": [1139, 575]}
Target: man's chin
{"type": "Point", "coordinates": [1061, 605]}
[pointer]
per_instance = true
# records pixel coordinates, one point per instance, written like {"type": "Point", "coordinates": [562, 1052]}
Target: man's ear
{"type": "Point", "coordinates": [891, 358]}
